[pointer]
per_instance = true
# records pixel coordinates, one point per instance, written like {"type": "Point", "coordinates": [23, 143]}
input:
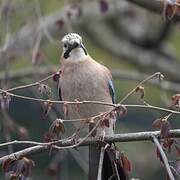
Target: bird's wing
{"type": "Point", "coordinates": [112, 90]}
{"type": "Point", "coordinates": [59, 87]}
{"type": "Point", "coordinates": [110, 84]}
{"type": "Point", "coordinates": [60, 97]}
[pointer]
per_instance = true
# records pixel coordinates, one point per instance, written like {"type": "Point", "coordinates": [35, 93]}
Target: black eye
{"type": "Point", "coordinates": [65, 45]}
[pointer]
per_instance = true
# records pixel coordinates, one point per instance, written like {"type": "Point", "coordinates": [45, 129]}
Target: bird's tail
{"type": "Point", "coordinates": [111, 169]}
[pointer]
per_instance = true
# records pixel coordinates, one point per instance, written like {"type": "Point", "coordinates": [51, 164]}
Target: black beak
{"type": "Point", "coordinates": [70, 48]}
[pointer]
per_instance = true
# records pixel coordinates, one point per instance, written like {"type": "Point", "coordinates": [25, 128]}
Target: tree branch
{"type": "Point", "coordinates": [126, 137]}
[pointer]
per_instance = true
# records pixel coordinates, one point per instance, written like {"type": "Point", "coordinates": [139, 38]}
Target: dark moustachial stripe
{"type": "Point", "coordinates": [71, 47]}
{"type": "Point", "coordinates": [85, 51]}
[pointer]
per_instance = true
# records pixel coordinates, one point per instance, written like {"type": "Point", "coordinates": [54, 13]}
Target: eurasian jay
{"type": "Point", "coordinates": [81, 79]}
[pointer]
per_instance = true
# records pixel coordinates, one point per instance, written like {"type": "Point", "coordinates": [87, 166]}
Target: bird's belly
{"type": "Point", "coordinates": [90, 90]}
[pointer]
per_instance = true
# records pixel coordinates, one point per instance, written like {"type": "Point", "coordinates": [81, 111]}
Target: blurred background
{"type": "Point", "coordinates": [132, 38]}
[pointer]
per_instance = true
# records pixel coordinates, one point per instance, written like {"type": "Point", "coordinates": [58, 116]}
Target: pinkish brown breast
{"type": "Point", "coordinates": [86, 80]}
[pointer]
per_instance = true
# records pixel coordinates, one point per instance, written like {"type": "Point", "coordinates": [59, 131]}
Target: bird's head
{"type": "Point", "coordinates": [73, 47]}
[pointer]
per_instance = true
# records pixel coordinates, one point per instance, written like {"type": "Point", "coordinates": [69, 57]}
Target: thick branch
{"type": "Point", "coordinates": [126, 137]}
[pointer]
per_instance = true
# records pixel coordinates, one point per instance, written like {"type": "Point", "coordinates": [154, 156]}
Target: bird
{"type": "Point", "coordinates": [84, 79]}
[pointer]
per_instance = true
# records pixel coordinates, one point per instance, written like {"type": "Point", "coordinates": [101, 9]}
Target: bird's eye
{"type": "Point", "coordinates": [65, 45]}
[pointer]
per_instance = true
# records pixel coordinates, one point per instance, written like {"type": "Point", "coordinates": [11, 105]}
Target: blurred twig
{"type": "Point", "coordinates": [117, 74]}
{"type": "Point", "coordinates": [164, 158]}
{"type": "Point", "coordinates": [146, 59]}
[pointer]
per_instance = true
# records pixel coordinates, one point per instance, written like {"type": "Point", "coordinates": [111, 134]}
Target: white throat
{"type": "Point", "coordinates": [77, 54]}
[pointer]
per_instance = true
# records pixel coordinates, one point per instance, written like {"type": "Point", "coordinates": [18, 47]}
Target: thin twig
{"type": "Point", "coordinates": [41, 22]}
{"type": "Point", "coordinates": [30, 85]}
{"type": "Point", "coordinates": [116, 171]}
{"type": "Point", "coordinates": [89, 133]}
{"type": "Point", "coordinates": [151, 107]}
{"type": "Point", "coordinates": [116, 73]}
{"type": "Point", "coordinates": [100, 167]}
{"type": "Point", "coordinates": [86, 102]}
{"type": "Point", "coordinates": [142, 82]}
{"type": "Point", "coordinates": [164, 158]}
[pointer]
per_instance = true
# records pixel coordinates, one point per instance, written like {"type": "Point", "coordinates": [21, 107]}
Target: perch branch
{"type": "Point", "coordinates": [125, 137]}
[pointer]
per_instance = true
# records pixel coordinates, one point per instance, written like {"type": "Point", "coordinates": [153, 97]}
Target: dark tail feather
{"type": "Point", "coordinates": [108, 164]}
{"type": "Point", "coordinates": [108, 172]}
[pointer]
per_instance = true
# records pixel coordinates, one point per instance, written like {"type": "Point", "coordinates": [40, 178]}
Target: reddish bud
{"type": "Point", "coordinates": [167, 144]}
{"type": "Point", "coordinates": [48, 137]}
{"type": "Point", "coordinates": [141, 90]}
{"type": "Point", "coordinates": [5, 99]}
{"type": "Point", "coordinates": [157, 123]}
{"type": "Point", "coordinates": [60, 23]}
{"type": "Point", "coordinates": [105, 122]}
{"type": "Point", "coordinates": [121, 110]}
{"type": "Point", "coordinates": [18, 168]}
{"type": "Point", "coordinates": [57, 127]}
{"type": "Point", "coordinates": [47, 106]}
{"type": "Point", "coordinates": [165, 129]}
{"type": "Point", "coordinates": [56, 77]}
{"type": "Point", "coordinates": [104, 6]}
{"type": "Point", "coordinates": [126, 164]}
